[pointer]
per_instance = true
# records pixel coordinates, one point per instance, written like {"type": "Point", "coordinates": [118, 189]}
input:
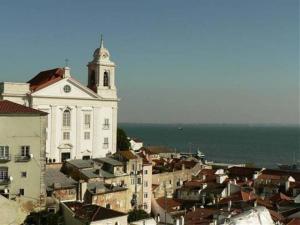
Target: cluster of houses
{"type": "Point", "coordinates": [58, 155]}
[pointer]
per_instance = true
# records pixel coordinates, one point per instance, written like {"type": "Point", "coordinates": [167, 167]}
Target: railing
{"type": "Point", "coordinates": [22, 158]}
{"type": "Point", "coordinates": [5, 158]}
{"type": "Point", "coordinates": [105, 126]}
{"type": "Point", "coordinates": [5, 181]}
{"type": "Point", "coordinates": [105, 145]}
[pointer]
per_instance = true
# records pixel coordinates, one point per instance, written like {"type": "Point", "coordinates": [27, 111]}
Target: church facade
{"type": "Point", "coordinates": [82, 120]}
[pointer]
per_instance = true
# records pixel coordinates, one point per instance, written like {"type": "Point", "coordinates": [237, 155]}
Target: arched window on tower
{"type": "Point", "coordinates": [93, 78]}
{"type": "Point", "coordinates": [66, 118]}
{"type": "Point", "coordinates": [106, 79]}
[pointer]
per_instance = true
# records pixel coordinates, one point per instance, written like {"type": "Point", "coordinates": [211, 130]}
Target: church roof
{"type": "Point", "coordinates": [45, 78]}
{"type": "Point", "coordinates": [8, 107]}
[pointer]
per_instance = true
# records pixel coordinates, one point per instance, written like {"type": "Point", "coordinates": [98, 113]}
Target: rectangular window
{"type": "Point", "coordinates": [4, 152]}
{"type": "Point", "coordinates": [67, 118]}
{"type": "Point", "coordinates": [145, 195]}
{"type": "Point", "coordinates": [146, 183]}
{"type": "Point", "coordinates": [145, 172]}
{"type": "Point", "coordinates": [132, 181]}
{"type": "Point", "coordinates": [106, 124]}
{"type": "Point", "coordinates": [23, 174]}
{"type": "Point", "coordinates": [3, 173]}
{"type": "Point", "coordinates": [139, 180]}
{"type": "Point", "coordinates": [87, 120]}
{"type": "Point", "coordinates": [66, 135]}
{"type": "Point", "coordinates": [25, 150]}
{"type": "Point", "coordinates": [105, 143]}
{"type": "Point", "coordinates": [86, 135]}
{"type": "Point", "coordinates": [145, 206]}
{"type": "Point", "coordinates": [21, 192]}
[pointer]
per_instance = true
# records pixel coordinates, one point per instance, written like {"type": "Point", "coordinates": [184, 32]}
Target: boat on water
{"type": "Point", "coordinates": [198, 154]}
{"type": "Point", "coordinates": [290, 167]}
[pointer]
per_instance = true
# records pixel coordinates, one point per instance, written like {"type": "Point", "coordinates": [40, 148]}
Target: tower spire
{"type": "Point", "coordinates": [102, 44]}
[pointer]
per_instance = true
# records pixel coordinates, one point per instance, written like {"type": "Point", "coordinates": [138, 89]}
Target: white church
{"type": "Point", "coordinates": [82, 120]}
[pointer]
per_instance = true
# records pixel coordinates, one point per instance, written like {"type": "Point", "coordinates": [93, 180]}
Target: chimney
{"type": "Point", "coordinates": [229, 205]}
{"type": "Point", "coordinates": [82, 188]}
{"type": "Point", "coordinates": [255, 203]}
{"type": "Point", "coordinates": [182, 166]}
{"type": "Point", "coordinates": [67, 72]}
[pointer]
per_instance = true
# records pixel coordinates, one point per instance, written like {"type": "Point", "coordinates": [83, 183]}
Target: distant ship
{"type": "Point", "coordinates": [295, 166]}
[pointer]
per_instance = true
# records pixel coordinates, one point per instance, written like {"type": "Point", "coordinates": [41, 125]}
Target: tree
{"type": "Point", "coordinates": [122, 140]}
{"type": "Point", "coordinates": [135, 215]}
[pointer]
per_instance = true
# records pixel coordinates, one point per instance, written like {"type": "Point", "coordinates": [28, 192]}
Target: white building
{"type": "Point", "coordinates": [82, 121]}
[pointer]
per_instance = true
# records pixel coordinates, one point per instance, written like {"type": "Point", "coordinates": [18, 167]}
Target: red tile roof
{"type": "Point", "coordinates": [45, 78]}
{"type": "Point", "coordinates": [199, 216]}
{"type": "Point", "coordinates": [128, 155]}
{"type": "Point", "coordinates": [295, 221]}
{"type": "Point", "coordinates": [91, 213]}
{"type": "Point", "coordinates": [168, 203]}
{"type": "Point", "coordinates": [8, 107]}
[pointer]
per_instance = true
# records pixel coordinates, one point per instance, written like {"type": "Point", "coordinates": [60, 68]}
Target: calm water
{"type": "Point", "coordinates": [262, 145]}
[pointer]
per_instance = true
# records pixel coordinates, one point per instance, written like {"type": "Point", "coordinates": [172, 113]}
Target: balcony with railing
{"type": "Point", "coordinates": [22, 158]}
{"type": "Point", "coordinates": [5, 158]}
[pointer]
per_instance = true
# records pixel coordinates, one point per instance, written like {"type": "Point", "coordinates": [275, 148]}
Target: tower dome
{"type": "Point", "coordinates": [101, 53]}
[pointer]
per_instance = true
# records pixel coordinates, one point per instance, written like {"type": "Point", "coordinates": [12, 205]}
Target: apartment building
{"type": "Point", "coordinates": [22, 154]}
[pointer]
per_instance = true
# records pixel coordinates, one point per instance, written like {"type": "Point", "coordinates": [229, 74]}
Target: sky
{"type": "Point", "coordinates": [194, 61]}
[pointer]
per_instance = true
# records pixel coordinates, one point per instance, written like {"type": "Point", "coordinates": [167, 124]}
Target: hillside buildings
{"type": "Point", "coordinates": [22, 154]}
{"type": "Point", "coordinates": [82, 120]}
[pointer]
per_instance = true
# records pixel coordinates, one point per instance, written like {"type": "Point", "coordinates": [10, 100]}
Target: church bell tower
{"type": "Point", "coordinates": [101, 73]}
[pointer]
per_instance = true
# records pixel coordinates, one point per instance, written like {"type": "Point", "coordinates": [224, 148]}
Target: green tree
{"type": "Point", "coordinates": [122, 140]}
{"type": "Point", "coordinates": [135, 215]}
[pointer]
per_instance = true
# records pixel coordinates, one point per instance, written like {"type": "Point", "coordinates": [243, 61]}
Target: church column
{"type": "Point", "coordinates": [78, 133]}
{"type": "Point", "coordinates": [53, 129]}
{"type": "Point", "coordinates": [114, 129]}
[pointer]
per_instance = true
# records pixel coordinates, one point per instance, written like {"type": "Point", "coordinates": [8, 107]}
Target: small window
{"type": "Point", "coordinates": [145, 172]}
{"type": "Point", "coordinates": [21, 191]}
{"type": "Point", "coordinates": [3, 173]}
{"type": "Point", "coordinates": [23, 174]}
{"type": "Point", "coordinates": [4, 152]}
{"type": "Point", "coordinates": [86, 157]}
{"type": "Point", "coordinates": [67, 88]}
{"type": "Point", "coordinates": [132, 181]}
{"type": "Point", "coordinates": [106, 124]}
{"type": "Point", "coordinates": [145, 206]}
{"type": "Point", "coordinates": [86, 135]}
{"type": "Point", "coordinates": [146, 184]}
{"type": "Point", "coordinates": [105, 143]}
{"type": "Point", "coordinates": [107, 206]}
{"type": "Point", "coordinates": [145, 195]}
{"type": "Point", "coordinates": [139, 180]}
{"type": "Point", "coordinates": [87, 120]}
{"type": "Point", "coordinates": [66, 135]}
{"type": "Point", "coordinates": [25, 150]}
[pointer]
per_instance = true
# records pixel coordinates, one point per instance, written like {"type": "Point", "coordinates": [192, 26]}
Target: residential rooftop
{"type": "Point", "coordinates": [8, 107]}
{"type": "Point", "coordinates": [90, 213]}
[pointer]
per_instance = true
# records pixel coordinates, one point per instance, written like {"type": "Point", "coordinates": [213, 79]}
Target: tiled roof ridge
{"type": "Point", "coordinates": [8, 107]}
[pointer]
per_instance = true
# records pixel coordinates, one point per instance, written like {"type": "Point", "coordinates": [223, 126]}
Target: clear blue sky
{"type": "Point", "coordinates": [196, 61]}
